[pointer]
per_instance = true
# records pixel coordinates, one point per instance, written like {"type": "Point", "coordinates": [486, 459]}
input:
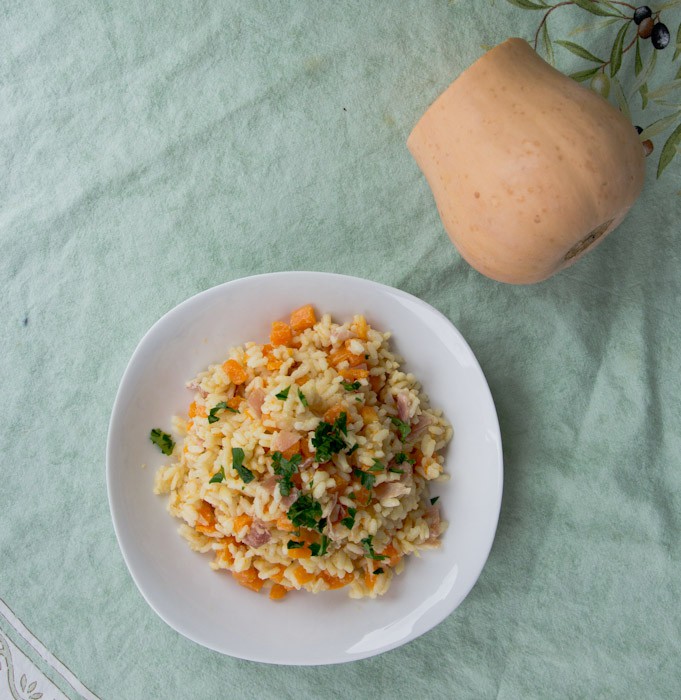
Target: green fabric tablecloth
{"type": "Point", "coordinates": [151, 150]}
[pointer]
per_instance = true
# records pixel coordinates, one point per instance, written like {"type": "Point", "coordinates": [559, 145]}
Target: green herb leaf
{"type": "Point", "coordinates": [433, 501]}
{"type": "Point", "coordinates": [302, 398]}
{"type": "Point", "coordinates": [285, 468]}
{"type": "Point", "coordinates": [351, 386]}
{"type": "Point", "coordinates": [394, 470]}
{"type": "Point", "coordinates": [579, 51]}
{"type": "Point", "coordinates": [367, 544]}
{"type": "Point", "coordinates": [352, 496]}
{"type": "Point", "coordinates": [319, 549]}
{"type": "Point", "coordinates": [669, 150]}
{"type": "Point", "coordinates": [283, 394]}
{"type": "Point", "coordinates": [238, 465]}
{"type": "Point", "coordinates": [321, 524]}
{"type": "Point", "coordinates": [305, 512]}
{"type": "Point", "coordinates": [349, 519]}
{"type": "Point", "coordinates": [403, 427]}
{"type": "Point", "coordinates": [341, 423]}
{"type": "Point", "coordinates": [212, 416]}
{"type": "Point", "coordinates": [401, 458]}
{"type": "Point", "coordinates": [352, 449]}
{"type": "Point", "coordinates": [378, 571]}
{"type": "Point", "coordinates": [377, 466]}
{"type": "Point", "coordinates": [162, 440]}
{"type": "Point", "coordinates": [581, 75]}
{"type": "Point", "coordinates": [292, 544]}
{"type": "Point", "coordinates": [328, 439]}
{"type": "Point", "coordinates": [218, 477]}
{"type": "Point", "coordinates": [365, 478]}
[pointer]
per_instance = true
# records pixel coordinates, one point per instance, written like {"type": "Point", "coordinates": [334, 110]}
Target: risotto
{"type": "Point", "coordinates": [304, 463]}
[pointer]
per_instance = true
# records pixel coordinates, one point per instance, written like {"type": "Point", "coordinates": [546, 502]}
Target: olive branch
{"type": "Point", "coordinates": [646, 24]}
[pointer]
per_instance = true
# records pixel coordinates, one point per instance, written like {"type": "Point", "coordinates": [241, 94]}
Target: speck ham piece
{"type": "Point", "coordinates": [258, 534]}
{"type": "Point", "coordinates": [255, 400]}
{"type": "Point", "coordinates": [285, 439]}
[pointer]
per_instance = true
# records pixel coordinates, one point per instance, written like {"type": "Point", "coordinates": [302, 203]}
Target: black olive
{"type": "Point", "coordinates": [638, 129]}
{"type": "Point", "coordinates": [660, 36]}
{"type": "Point", "coordinates": [641, 13]}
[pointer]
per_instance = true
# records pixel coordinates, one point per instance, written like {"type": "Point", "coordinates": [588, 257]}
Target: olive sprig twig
{"type": "Point", "coordinates": [565, 3]}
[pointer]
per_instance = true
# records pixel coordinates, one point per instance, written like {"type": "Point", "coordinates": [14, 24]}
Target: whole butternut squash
{"type": "Point", "coordinates": [528, 168]}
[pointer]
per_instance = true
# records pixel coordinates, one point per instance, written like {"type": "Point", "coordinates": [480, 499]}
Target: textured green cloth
{"type": "Point", "coordinates": [151, 150]}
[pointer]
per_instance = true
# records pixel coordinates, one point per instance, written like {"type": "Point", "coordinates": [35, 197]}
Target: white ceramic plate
{"type": "Point", "coordinates": [209, 607]}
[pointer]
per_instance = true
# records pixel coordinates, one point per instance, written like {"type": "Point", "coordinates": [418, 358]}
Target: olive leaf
{"type": "Point", "coordinates": [620, 98]}
{"type": "Point", "coordinates": [595, 25]}
{"type": "Point", "coordinates": [664, 90]}
{"type": "Point", "coordinates": [595, 9]}
{"type": "Point", "coordinates": [668, 5]}
{"type": "Point", "coordinates": [581, 75]}
{"type": "Point", "coordinates": [546, 43]}
{"type": "Point", "coordinates": [579, 51]}
{"type": "Point", "coordinates": [657, 127]}
{"type": "Point", "coordinates": [644, 74]}
{"type": "Point", "coordinates": [638, 63]}
{"type": "Point", "coordinates": [528, 5]}
{"type": "Point", "coordinates": [644, 95]}
{"type": "Point", "coordinates": [669, 150]}
{"type": "Point", "coordinates": [678, 74]}
{"type": "Point", "coordinates": [616, 53]}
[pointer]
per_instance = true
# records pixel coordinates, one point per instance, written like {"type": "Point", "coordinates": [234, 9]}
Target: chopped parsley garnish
{"type": "Point", "coordinates": [238, 465]}
{"type": "Point", "coordinates": [377, 467]}
{"type": "Point", "coordinates": [222, 406]}
{"type": "Point", "coordinates": [328, 439]}
{"type": "Point", "coordinates": [162, 440]}
{"type": "Point", "coordinates": [305, 512]}
{"type": "Point", "coordinates": [285, 468]}
{"type": "Point", "coordinates": [351, 386]}
{"type": "Point", "coordinates": [378, 571]}
{"type": "Point", "coordinates": [218, 477]}
{"type": "Point", "coordinates": [433, 501]}
{"type": "Point", "coordinates": [403, 427]}
{"type": "Point", "coordinates": [396, 471]}
{"type": "Point", "coordinates": [283, 394]}
{"type": "Point", "coordinates": [365, 478]}
{"type": "Point", "coordinates": [302, 398]}
{"type": "Point", "coordinates": [292, 544]}
{"type": "Point", "coordinates": [321, 524]}
{"type": "Point", "coordinates": [401, 458]}
{"type": "Point", "coordinates": [341, 423]}
{"type": "Point", "coordinates": [352, 496]}
{"type": "Point", "coordinates": [319, 549]}
{"type": "Point", "coordinates": [349, 519]}
{"type": "Point", "coordinates": [352, 449]}
{"type": "Point", "coordinates": [367, 543]}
